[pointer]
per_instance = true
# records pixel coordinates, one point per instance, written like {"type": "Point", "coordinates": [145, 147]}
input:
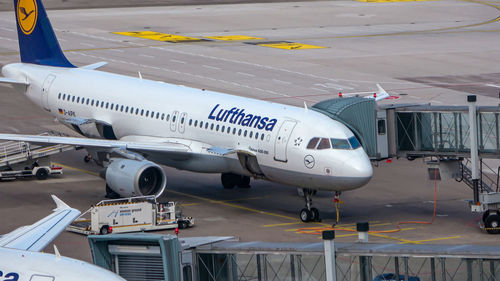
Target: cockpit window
{"type": "Point", "coordinates": [354, 142]}
{"type": "Point", "coordinates": [340, 144]}
{"type": "Point", "coordinates": [312, 143]}
{"type": "Point", "coordinates": [324, 144]}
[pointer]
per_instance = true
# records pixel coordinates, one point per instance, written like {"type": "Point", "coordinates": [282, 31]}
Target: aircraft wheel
{"type": "Point", "coordinates": [244, 182]}
{"type": "Point", "coordinates": [305, 215]}
{"type": "Point", "coordinates": [315, 214]}
{"type": "Point", "coordinates": [229, 181]}
{"type": "Point", "coordinates": [42, 174]}
{"type": "Point", "coordinates": [492, 224]}
{"type": "Point", "coordinates": [485, 215]}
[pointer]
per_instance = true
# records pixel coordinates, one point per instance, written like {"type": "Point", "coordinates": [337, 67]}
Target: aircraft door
{"type": "Point", "coordinates": [182, 122]}
{"type": "Point", "coordinates": [281, 143]}
{"type": "Point", "coordinates": [45, 91]}
{"type": "Point", "coordinates": [173, 121]}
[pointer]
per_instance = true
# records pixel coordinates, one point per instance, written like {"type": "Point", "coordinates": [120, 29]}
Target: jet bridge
{"type": "Point", "coordinates": [439, 133]}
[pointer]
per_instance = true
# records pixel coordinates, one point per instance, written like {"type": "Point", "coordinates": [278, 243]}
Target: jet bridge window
{"type": "Point", "coordinates": [312, 143]}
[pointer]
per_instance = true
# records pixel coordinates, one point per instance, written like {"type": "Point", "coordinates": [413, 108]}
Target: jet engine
{"type": "Point", "coordinates": [131, 178]}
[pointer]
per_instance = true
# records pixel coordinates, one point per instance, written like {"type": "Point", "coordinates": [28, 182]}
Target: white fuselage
{"type": "Point", "coordinates": [140, 109]}
{"type": "Point", "coordinates": [18, 265]}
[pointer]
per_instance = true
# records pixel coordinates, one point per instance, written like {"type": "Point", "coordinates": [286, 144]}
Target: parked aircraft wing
{"type": "Point", "coordinates": [37, 236]}
{"type": "Point", "coordinates": [136, 146]}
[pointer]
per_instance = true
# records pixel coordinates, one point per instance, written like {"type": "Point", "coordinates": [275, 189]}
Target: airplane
{"type": "Point", "coordinates": [132, 125]}
{"type": "Point", "coordinates": [21, 259]}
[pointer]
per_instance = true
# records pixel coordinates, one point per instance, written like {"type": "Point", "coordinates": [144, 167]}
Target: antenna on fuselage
{"type": "Point", "coordinates": [305, 106]}
{"type": "Point", "coordinates": [140, 75]}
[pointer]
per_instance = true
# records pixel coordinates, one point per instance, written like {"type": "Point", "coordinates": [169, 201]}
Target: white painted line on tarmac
{"type": "Point", "coordinates": [493, 85]}
{"type": "Point", "coordinates": [8, 29]}
{"type": "Point", "coordinates": [7, 39]}
{"type": "Point", "coordinates": [245, 74]}
{"type": "Point", "coordinates": [316, 89]}
{"type": "Point", "coordinates": [282, 82]}
{"type": "Point", "coordinates": [116, 50]}
{"type": "Point", "coordinates": [178, 61]}
{"type": "Point", "coordinates": [146, 56]}
{"type": "Point", "coordinates": [87, 44]}
{"type": "Point", "coordinates": [211, 67]}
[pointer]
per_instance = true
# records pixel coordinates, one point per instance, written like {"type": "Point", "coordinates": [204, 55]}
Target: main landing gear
{"type": "Point", "coordinates": [309, 213]}
{"type": "Point", "coordinates": [230, 180]}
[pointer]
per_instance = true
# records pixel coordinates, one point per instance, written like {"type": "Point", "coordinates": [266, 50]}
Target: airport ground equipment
{"type": "Point", "coordinates": [133, 214]}
{"type": "Point", "coordinates": [442, 134]}
{"type": "Point", "coordinates": [21, 159]}
{"type": "Point", "coordinates": [147, 256]}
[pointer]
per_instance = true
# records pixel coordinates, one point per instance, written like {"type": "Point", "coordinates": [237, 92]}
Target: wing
{"type": "Point", "coordinates": [37, 236]}
{"type": "Point", "coordinates": [136, 146]}
{"type": "Point", "coordinates": [95, 65]}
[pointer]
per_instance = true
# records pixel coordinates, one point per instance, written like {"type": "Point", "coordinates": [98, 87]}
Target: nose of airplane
{"type": "Point", "coordinates": [359, 169]}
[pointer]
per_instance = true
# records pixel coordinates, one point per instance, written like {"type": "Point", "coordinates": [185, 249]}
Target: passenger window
{"type": "Point", "coordinates": [251, 134]}
{"type": "Point", "coordinates": [102, 104]}
{"type": "Point", "coordinates": [182, 120]}
{"type": "Point", "coordinates": [312, 143]}
{"type": "Point", "coordinates": [257, 135]}
{"type": "Point", "coordinates": [147, 113]}
{"type": "Point", "coordinates": [136, 111]}
{"type": "Point", "coordinates": [212, 126]}
{"type": "Point", "coordinates": [201, 124]}
{"type": "Point", "coordinates": [234, 131]}
{"type": "Point", "coordinates": [59, 96]}
{"type": "Point", "coordinates": [206, 125]}
{"type": "Point", "coordinates": [126, 109]}
{"type": "Point", "coordinates": [196, 123]}
{"type": "Point", "coordinates": [381, 126]}
{"type": "Point", "coordinates": [73, 100]}
{"type": "Point", "coordinates": [239, 132]}
{"type": "Point", "coordinates": [107, 104]}
{"type": "Point", "coordinates": [340, 144]}
{"type": "Point", "coordinates": [121, 108]}
{"type": "Point", "coordinates": [262, 137]}
{"type": "Point", "coordinates": [168, 117]}
{"type": "Point", "coordinates": [64, 96]}
{"type": "Point", "coordinates": [152, 114]}
{"type": "Point", "coordinates": [324, 143]}
{"type": "Point", "coordinates": [173, 118]}
{"type": "Point", "coordinates": [228, 130]}
{"type": "Point", "coordinates": [162, 116]}
{"type": "Point", "coordinates": [223, 129]}
{"type": "Point", "coordinates": [142, 112]}
{"type": "Point", "coordinates": [96, 103]}
{"type": "Point", "coordinates": [217, 128]}
{"type": "Point", "coordinates": [157, 115]}
{"type": "Point", "coordinates": [78, 100]}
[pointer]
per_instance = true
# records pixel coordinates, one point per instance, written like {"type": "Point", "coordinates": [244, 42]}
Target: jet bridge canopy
{"type": "Point", "coordinates": [358, 114]}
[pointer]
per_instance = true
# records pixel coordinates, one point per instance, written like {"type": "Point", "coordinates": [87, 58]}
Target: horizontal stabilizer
{"type": "Point", "coordinates": [12, 81]}
{"type": "Point", "coordinates": [95, 65]}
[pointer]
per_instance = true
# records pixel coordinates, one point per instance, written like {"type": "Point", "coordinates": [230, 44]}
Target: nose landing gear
{"type": "Point", "coordinates": [309, 213]}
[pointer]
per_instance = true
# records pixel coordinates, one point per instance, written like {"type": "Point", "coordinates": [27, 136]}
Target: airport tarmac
{"type": "Point", "coordinates": [434, 52]}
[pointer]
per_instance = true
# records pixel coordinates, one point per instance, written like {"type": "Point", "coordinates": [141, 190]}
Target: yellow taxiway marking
{"type": "Point", "coordinates": [233, 37]}
{"type": "Point", "coordinates": [233, 205]}
{"type": "Point", "coordinates": [289, 45]}
{"type": "Point", "coordinates": [77, 169]}
{"type": "Point", "coordinates": [433, 239]}
{"type": "Point", "coordinates": [158, 36]}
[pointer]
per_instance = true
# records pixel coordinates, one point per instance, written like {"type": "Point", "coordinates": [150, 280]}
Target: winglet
{"type": "Point", "coordinates": [59, 203]}
{"type": "Point", "coordinates": [56, 252]}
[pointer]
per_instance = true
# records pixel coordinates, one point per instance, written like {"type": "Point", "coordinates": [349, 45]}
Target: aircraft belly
{"type": "Point", "coordinates": [314, 181]}
{"type": "Point", "coordinates": [201, 163]}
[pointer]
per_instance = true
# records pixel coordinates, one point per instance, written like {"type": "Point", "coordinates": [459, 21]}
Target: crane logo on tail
{"type": "Point", "coordinates": [27, 13]}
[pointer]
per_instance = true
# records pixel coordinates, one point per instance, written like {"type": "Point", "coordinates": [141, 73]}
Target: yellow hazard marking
{"type": "Point", "coordinates": [158, 36]}
{"type": "Point", "coordinates": [289, 45]}
{"type": "Point", "coordinates": [233, 37]}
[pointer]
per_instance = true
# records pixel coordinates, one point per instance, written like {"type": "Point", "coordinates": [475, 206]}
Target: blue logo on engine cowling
{"type": "Point", "coordinates": [239, 117]}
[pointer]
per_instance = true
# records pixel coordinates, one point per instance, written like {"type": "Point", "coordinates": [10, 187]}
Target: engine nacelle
{"type": "Point", "coordinates": [131, 178]}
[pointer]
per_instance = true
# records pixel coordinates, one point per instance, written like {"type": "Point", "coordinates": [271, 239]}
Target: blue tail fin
{"type": "Point", "coordinates": [37, 40]}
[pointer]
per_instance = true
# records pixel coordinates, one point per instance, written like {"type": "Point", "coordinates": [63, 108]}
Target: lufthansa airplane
{"type": "Point", "coordinates": [21, 260]}
{"type": "Point", "coordinates": [134, 125]}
